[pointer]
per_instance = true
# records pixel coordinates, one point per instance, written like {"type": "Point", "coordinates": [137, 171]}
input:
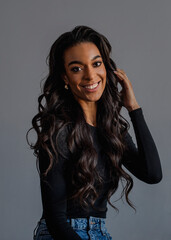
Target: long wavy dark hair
{"type": "Point", "coordinates": [58, 109]}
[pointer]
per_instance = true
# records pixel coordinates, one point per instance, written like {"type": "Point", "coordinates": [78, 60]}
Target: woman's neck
{"type": "Point", "coordinates": [90, 110]}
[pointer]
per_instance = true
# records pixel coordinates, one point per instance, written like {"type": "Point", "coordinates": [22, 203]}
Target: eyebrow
{"type": "Point", "coordinates": [78, 62]}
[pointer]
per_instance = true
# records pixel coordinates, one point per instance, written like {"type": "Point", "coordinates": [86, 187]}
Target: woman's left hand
{"type": "Point", "coordinates": [128, 96]}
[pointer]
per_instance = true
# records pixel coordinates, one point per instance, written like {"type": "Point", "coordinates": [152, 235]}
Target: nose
{"type": "Point", "coordinates": [89, 73]}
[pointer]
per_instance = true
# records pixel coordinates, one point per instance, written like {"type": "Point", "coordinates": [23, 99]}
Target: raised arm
{"type": "Point", "coordinates": [54, 198]}
{"type": "Point", "coordinates": [143, 162]}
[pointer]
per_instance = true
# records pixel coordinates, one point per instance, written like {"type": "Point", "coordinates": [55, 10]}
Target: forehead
{"type": "Point", "coordinates": [82, 51]}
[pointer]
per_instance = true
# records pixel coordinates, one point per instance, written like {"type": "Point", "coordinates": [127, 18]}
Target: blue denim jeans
{"type": "Point", "coordinates": [92, 228]}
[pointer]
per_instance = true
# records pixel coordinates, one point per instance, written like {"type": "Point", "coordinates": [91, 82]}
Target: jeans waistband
{"type": "Point", "coordinates": [87, 223]}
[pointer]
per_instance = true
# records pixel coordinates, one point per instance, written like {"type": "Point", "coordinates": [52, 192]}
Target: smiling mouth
{"type": "Point", "coordinates": [92, 86]}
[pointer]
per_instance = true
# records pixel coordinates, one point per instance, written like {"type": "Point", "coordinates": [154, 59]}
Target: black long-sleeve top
{"type": "Point", "coordinates": [142, 161]}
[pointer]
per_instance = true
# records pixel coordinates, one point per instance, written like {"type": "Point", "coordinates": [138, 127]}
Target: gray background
{"type": "Point", "coordinates": [140, 34]}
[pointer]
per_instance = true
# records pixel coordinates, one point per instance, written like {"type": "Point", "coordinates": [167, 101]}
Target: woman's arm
{"type": "Point", "coordinates": [143, 162]}
{"type": "Point", "coordinates": [54, 198]}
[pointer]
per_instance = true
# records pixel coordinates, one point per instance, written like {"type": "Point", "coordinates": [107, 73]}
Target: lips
{"type": "Point", "coordinates": [87, 85]}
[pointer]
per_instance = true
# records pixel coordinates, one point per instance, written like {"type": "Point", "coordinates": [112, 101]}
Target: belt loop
{"type": "Point", "coordinates": [73, 222]}
{"type": "Point", "coordinates": [88, 223]}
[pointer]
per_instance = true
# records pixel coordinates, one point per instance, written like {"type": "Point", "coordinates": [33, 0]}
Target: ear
{"type": "Point", "coordinates": [64, 77]}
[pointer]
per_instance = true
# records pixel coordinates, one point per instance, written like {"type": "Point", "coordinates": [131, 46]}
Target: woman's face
{"type": "Point", "coordinates": [85, 72]}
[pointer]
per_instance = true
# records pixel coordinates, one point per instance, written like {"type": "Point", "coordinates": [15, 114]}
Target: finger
{"type": "Point", "coordinates": [121, 71]}
{"type": "Point", "coordinates": [120, 79]}
{"type": "Point", "coordinates": [120, 75]}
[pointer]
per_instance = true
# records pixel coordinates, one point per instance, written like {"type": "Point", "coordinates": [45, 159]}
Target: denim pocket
{"type": "Point", "coordinates": [82, 233]}
{"type": "Point", "coordinates": [98, 235]}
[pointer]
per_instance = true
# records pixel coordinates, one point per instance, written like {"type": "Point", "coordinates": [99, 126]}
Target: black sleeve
{"type": "Point", "coordinates": [143, 162]}
{"type": "Point", "coordinates": [54, 194]}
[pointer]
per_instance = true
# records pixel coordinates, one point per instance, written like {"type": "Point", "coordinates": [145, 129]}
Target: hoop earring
{"type": "Point", "coordinates": [66, 86]}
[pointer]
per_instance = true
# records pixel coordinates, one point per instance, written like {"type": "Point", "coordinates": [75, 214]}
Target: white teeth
{"type": "Point", "coordinates": [92, 86]}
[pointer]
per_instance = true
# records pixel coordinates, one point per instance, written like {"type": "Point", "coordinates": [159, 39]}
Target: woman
{"type": "Point", "coordinates": [83, 141]}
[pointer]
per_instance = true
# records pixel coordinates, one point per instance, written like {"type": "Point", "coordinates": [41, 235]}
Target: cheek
{"type": "Point", "coordinates": [104, 76]}
{"type": "Point", "coordinates": [74, 79]}
{"type": "Point", "coordinates": [102, 72]}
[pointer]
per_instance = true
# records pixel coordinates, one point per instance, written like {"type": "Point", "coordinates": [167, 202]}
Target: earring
{"type": "Point", "coordinates": [66, 86]}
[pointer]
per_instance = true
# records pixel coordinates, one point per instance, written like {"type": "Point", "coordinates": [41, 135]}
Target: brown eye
{"type": "Point", "coordinates": [98, 63]}
{"type": "Point", "coordinates": [75, 69]}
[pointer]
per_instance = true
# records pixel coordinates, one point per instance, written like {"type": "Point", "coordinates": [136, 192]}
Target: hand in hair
{"type": "Point", "coordinates": [128, 96]}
